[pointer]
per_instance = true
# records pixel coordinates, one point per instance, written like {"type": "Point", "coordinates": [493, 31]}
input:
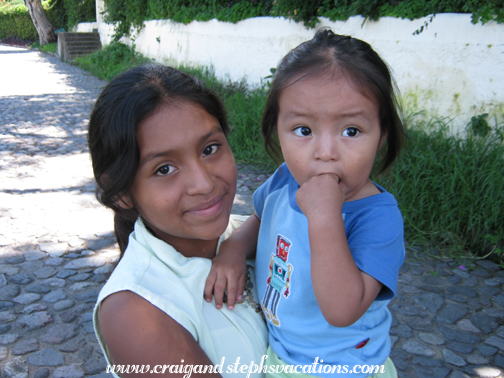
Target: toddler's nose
{"type": "Point", "coordinates": [326, 149]}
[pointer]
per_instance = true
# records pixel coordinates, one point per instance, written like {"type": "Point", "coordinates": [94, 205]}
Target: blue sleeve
{"type": "Point", "coordinates": [260, 197]}
{"type": "Point", "coordinates": [276, 181]}
{"type": "Point", "coordinates": [376, 242]}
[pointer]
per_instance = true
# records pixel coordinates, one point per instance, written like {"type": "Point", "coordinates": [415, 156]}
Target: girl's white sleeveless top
{"type": "Point", "coordinates": [158, 273]}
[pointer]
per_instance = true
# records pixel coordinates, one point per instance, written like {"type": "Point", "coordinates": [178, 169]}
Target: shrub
{"type": "Point", "coordinates": [78, 11]}
{"type": "Point", "coordinates": [130, 13]}
{"type": "Point", "coordinates": [15, 21]}
{"type": "Point", "coordinates": [309, 11]}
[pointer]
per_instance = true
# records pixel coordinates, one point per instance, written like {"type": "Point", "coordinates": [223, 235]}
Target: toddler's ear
{"type": "Point", "coordinates": [383, 138]}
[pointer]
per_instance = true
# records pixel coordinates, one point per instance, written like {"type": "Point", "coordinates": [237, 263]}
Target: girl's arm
{"type": "Point", "coordinates": [229, 267]}
{"type": "Point", "coordinates": [138, 333]}
{"type": "Point", "coordinates": [343, 292]}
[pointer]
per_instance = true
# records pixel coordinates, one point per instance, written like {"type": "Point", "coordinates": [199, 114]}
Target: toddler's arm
{"type": "Point", "coordinates": [229, 267]}
{"type": "Point", "coordinates": [343, 292]}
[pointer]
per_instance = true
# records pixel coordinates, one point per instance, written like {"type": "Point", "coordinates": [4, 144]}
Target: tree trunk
{"type": "Point", "coordinates": [44, 28]}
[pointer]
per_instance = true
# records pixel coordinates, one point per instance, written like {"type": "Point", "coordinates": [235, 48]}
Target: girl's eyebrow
{"type": "Point", "coordinates": [154, 155]}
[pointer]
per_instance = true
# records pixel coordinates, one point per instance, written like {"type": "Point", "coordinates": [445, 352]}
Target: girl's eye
{"type": "Point", "coordinates": [302, 131]}
{"type": "Point", "coordinates": [351, 132]}
{"type": "Point", "coordinates": [165, 170]}
{"type": "Point", "coordinates": [209, 150]}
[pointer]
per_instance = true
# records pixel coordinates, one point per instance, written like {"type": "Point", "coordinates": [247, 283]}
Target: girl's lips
{"type": "Point", "coordinates": [208, 208]}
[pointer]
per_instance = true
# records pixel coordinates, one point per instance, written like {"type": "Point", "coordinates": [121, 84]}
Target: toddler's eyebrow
{"type": "Point", "coordinates": [155, 155]}
{"type": "Point", "coordinates": [346, 114]}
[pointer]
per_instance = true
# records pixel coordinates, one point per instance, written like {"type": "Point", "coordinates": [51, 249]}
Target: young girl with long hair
{"type": "Point", "coordinates": [157, 138]}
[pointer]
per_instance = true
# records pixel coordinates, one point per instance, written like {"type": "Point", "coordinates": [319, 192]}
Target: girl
{"type": "Point", "coordinates": [158, 145]}
{"type": "Point", "coordinates": [329, 240]}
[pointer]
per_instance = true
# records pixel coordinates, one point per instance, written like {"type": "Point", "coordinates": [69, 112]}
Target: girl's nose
{"type": "Point", "coordinates": [326, 149]}
{"type": "Point", "coordinates": [200, 179]}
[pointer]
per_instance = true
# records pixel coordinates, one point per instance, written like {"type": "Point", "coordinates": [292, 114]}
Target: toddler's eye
{"type": "Point", "coordinates": [302, 131]}
{"type": "Point", "coordinates": [351, 132]}
{"type": "Point", "coordinates": [209, 150]}
{"type": "Point", "coordinates": [165, 170]}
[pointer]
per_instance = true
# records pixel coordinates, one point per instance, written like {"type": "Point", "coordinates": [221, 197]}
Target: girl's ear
{"type": "Point", "coordinates": [121, 200]}
{"type": "Point", "coordinates": [124, 202]}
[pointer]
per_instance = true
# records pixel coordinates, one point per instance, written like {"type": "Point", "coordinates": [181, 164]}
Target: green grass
{"type": "Point", "coordinates": [48, 47]}
{"type": "Point", "coordinates": [111, 61]}
{"type": "Point", "coordinates": [450, 189]}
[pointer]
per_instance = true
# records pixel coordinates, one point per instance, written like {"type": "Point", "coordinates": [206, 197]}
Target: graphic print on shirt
{"type": "Point", "coordinates": [278, 282]}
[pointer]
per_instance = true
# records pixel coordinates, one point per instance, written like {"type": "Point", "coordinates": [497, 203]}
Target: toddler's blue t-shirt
{"type": "Point", "coordinates": [298, 332]}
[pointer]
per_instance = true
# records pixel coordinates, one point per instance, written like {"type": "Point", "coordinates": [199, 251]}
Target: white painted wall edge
{"type": "Point", "coordinates": [452, 69]}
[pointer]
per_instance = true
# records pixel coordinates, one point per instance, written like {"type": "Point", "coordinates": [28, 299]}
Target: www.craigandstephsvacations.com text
{"type": "Point", "coordinates": [247, 370]}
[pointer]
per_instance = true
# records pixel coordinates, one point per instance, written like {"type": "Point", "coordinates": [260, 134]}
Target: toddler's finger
{"type": "Point", "coordinates": [241, 289]}
{"type": "Point", "coordinates": [231, 293]}
{"type": "Point", "coordinates": [218, 291]}
{"type": "Point", "coordinates": [209, 285]}
{"type": "Point", "coordinates": [334, 175]}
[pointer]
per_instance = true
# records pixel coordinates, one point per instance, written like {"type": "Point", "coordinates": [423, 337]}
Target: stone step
{"type": "Point", "coordinates": [71, 45]}
{"type": "Point", "coordinates": [86, 40]}
{"type": "Point", "coordinates": [92, 46]}
{"type": "Point", "coordinates": [81, 35]}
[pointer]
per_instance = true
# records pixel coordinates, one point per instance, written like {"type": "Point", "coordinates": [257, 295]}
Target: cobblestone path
{"type": "Point", "coordinates": [57, 247]}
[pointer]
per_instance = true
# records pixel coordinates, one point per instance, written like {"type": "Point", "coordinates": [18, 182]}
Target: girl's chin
{"type": "Point", "coordinates": [216, 229]}
{"type": "Point", "coordinates": [208, 231]}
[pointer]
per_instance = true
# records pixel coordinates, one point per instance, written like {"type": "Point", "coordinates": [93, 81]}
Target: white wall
{"type": "Point", "coordinates": [452, 69]}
